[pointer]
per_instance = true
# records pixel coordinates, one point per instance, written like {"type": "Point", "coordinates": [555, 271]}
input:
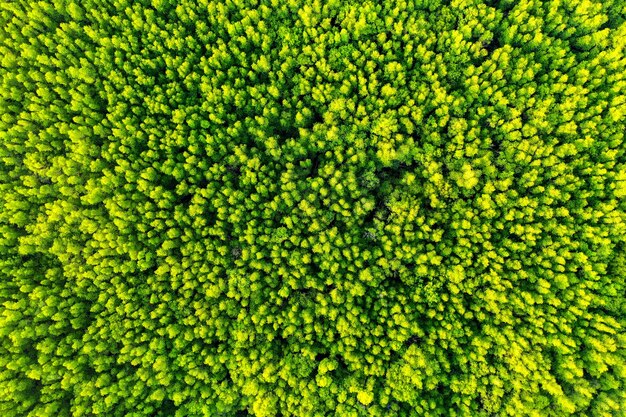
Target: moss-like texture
{"type": "Point", "coordinates": [312, 208]}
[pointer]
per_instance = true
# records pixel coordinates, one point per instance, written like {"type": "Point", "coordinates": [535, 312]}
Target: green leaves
{"type": "Point", "coordinates": [466, 177]}
{"type": "Point", "coordinates": [312, 208]}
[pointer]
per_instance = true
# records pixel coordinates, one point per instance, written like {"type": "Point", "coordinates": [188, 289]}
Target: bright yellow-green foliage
{"type": "Point", "coordinates": [312, 208]}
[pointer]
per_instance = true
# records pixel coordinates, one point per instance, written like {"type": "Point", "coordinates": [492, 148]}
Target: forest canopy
{"type": "Point", "coordinates": [312, 208]}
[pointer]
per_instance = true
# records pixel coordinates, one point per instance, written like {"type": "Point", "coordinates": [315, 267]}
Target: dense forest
{"type": "Point", "coordinates": [312, 208]}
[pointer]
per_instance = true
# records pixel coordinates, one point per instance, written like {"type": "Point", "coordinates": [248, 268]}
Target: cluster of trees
{"type": "Point", "coordinates": [312, 208]}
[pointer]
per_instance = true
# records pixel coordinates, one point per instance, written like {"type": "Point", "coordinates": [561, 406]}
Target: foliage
{"type": "Point", "coordinates": [311, 208]}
